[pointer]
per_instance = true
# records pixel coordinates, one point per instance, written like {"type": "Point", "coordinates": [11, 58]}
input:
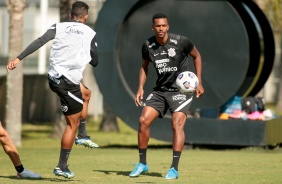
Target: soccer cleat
{"type": "Point", "coordinates": [65, 173]}
{"type": "Point", "coordinates": [86, 141]}
{"type": "Point", "coordinates": [28, 174]}
{"type": "Point", "coordinates": [171, 174]}
{"type": "Point", "coordinates": [139, 168]}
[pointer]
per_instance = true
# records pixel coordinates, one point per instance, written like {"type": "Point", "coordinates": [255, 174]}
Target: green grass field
{"type": "Point", "coordinates": [109, 164]}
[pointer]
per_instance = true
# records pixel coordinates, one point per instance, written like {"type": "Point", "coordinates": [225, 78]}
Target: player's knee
{"type": "Point", "coordinates": [3, 135]}
{"type": "Point", "coordinates": [178, 126]}
{"type": "Point", "coordinates": [1, 139]}
{"type": "Point", "coordinates": [86, 95]}
{"type": "Point", "coordinates": [143, 121]}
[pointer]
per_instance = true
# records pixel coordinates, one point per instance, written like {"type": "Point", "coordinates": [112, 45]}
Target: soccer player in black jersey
{"type": "Point", "coordinates": [74, 46]}
{"type": "Point", "coordinates": [168, 53]}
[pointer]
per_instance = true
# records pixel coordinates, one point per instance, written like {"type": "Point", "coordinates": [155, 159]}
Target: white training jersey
{"type": "Point", "coordinates": [70, 51]}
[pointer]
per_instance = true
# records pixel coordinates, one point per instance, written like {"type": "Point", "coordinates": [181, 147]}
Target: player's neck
{"type": "Point", "coordinates": [79, 20]}
{"type": "Point", "coordinates": [162, 40]}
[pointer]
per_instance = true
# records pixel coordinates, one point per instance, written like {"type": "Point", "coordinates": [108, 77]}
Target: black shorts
{"type": "Point", "coordinates": [174, 101]}
{"type": "Point", "coordinates": [69, 93]}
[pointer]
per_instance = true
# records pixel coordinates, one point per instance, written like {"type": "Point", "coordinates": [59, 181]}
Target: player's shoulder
{"type": "Point", "coordinates": [77, 27]}
{"type": "Point", "coordinates": [150, 42]}
{"type": "Point", "coordinates": [174, 36]}
{"type": "Point", "coordinates": [177, 37]}
{"type": "Point", "coordinates": [89, 29]}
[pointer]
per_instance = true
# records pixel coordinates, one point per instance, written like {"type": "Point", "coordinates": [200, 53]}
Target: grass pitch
{"type": "Point", "coordinates": [107, 164]}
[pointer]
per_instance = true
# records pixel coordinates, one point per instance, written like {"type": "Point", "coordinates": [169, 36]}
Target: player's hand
{"type": "Point", "coordinates": [12, 64]}
{"type": "Point", "coordinates": [200, 90]}
{"type": "Point", "coordinates": [139, 97]}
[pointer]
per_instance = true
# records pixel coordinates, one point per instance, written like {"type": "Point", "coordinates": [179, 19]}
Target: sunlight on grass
{"type": "Point", "coordinates": [126, 135]}
{"type": "Point", "coordinates": [106, 165]}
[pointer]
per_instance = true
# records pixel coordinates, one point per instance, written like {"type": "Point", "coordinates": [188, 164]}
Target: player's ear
{"type": "Point", "coordinates": [85, 17]}
{"type": "Point", "coordinates": [70, 16]}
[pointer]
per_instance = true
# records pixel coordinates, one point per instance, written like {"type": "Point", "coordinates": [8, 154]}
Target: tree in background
{"type": "Point", "coordinates": [65, 7]}
{"type": "Point", "coordinates": [14, 90]}
{"type": "Point", "coordinates": [273, 11]}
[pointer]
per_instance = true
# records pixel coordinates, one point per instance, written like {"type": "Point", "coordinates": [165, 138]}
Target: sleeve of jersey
{"type": "Point", "coordinates": [145, 52]}
{"type": "Point", "coordinates": [39, 42]}
{"type": "Point", "coordinates": [94, 52]}
{"type": "Point", "coordinates": [186, 44]}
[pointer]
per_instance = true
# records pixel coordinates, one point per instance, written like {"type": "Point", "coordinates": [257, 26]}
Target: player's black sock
{"type": "Point", "coordinates": [82, 129]}
{"type": "Point", "coordinates": [142, 156]}
{"type": "Point", "coordinates": [175, 159]}
{"type": "Point", "coordinates": [64, 156]}
{"type": "Point", "coordinates": [19, 168]}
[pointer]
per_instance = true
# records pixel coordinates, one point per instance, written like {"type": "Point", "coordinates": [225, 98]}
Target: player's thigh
{"type": "Point", "coordinates": [148, 115]}
{"type": "Point", "coordinates": [73, 100]}
{"type": "Point", "coordinates": [86, 93]}
{"type": "Point", "coordinates": [178, 120]}
{"type": "Point", "coordinates": [179, 102]}
{"type": "Point", "coordinates": [157, 101]}
{"type": "Point", "coordinates": [69, 93]}
{"type": "Point", "coordinates": [2, 130]}
{"type": "Point", "coordinates": [73, 119]}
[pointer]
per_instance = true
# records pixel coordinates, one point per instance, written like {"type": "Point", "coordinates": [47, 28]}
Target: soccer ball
{"type": "Point", "coordinates": [187, 82]}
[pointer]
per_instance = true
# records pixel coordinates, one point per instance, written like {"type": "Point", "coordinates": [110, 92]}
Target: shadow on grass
{"type": "Point", "coordinates": [126, 173]}
{"type": "Point", "coordinates": [39, 179]}
{"type": "Point", "coordinates": [136, 146]}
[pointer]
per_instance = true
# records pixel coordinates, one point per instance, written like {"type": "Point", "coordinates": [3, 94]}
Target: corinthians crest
{"type": "Point", "coordinates": [171, 52]}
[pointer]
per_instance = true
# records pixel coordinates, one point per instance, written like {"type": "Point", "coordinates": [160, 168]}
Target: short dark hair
{"type": "Point", "coordinates": [158, 16]}
{"type": "Point", "coordinates": [79, 9]}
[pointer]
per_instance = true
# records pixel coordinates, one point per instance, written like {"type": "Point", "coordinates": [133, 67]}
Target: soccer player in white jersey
{"type": "Point", "coordinates": [168, 53]}
{"type": "Point", "coordinates": [74, 46]}
{"type": "Point", "coordinates": [11, 150]}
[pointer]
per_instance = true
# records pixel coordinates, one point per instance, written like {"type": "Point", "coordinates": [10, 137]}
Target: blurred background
{"type": "Point", "coordinates": [34, 103]}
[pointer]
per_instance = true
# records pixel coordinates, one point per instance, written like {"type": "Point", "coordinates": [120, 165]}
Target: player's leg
{"type": "Point", "coordinates": [178, 121]}
{"type": "Point", "coordinates": [148, 115]}
{"type": "Point", "coordinates": [82, 137]}
{"type": "Point", "coordinates": [71, 104]}
{"type": "Point", "coordinates": [9, 147]}
{"type": "Point", "coordinates": [180, 107]}
{"type": "Point", "coordinates": [86, 95]}
{"type": "Point", "coordinates": [11, 150]}
{"type": "Point", "coordinates": [66, 145]}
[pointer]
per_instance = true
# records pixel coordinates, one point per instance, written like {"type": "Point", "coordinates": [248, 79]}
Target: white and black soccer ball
{"type": "Point", "coordinates": [187, 82]}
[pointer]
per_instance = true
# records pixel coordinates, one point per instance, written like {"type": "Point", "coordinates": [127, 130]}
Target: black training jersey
{"type": "Point", "coordinates": [169, 59]}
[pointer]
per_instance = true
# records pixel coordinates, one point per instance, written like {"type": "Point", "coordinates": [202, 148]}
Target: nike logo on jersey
{"type": "Point", "coordinates": [153, 44]}
{"type": "Point", "coordinates": [156, 54]}
{"type": "Point", "coordinates": [174, 41]}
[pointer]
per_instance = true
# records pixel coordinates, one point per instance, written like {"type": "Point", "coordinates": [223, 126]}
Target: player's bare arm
{"type": "Point", "coordinates": [142, 79]}
{"type": "Point", "coordinates": [198, 67]}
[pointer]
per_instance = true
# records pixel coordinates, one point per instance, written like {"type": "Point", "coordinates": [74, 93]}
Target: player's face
{"type": "Point", "coordinates": [160, 27]}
